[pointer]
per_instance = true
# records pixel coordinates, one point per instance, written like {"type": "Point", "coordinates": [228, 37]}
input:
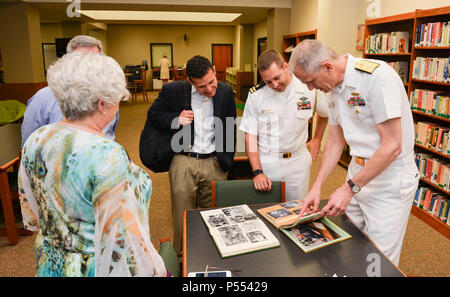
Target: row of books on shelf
{"type": "Point", "coordinates": [434, 203]}
{"type": "Point", "coordinates": [433, 34]}
{"type": "Point", "coordinates": [388, 43]}
{"type": "Point", "coordinates": [433, 170]}
{"type": "Point", "coordinates": [401, 68]}
{"type": "Point", "coordinates": [431, 69]}
{"type": "Point", "coordinates": [431, 102]}
{"type": "Point", "coordinates": [433, 136]}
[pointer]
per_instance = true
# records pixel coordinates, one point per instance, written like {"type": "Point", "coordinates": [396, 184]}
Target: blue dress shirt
{"type": "Point", "coordinates": [43, 109]}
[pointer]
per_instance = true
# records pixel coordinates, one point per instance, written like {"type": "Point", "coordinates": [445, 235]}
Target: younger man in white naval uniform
{"type": "Point", "coordinates": [369, 110]}
{"type": "Point", "coordinates": [275, 123]}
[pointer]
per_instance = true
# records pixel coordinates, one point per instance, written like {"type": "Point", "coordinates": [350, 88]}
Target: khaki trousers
{"type": "Point", "coordinates": [190, 183]}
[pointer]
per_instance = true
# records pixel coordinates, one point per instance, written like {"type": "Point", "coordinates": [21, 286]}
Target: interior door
{"type": "Point", "coordinates": [222, 57]}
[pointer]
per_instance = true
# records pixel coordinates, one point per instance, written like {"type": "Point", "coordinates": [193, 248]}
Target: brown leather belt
{"type": "Point", "coordinates": [360, 161]}
{"type": "Point", "coordinates": [287, 155]}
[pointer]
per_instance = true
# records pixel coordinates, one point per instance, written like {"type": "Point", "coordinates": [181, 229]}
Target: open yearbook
{"type": "Point", "coordinates": [237, 230]}
{"type": "Point", "coordinates": [285, 215]}
{"type": "Point", "coordinates": [308, 232]}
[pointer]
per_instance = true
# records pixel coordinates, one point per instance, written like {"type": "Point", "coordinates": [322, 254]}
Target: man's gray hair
{"type": "Point", "coordinates": [80, 79]}
{"type": "Point", "coordinates": [310, 54]}
{"type": "Point", "coordinates": [84, 41]}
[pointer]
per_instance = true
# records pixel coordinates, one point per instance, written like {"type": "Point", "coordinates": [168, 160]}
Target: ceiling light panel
{"type": "Point", "coordinates": [119, 15]}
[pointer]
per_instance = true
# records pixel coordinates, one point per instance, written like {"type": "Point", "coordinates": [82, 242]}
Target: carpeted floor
{"type": "Point", "coordinates": [425, 252]}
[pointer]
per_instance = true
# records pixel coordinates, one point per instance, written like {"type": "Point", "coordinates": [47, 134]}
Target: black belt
{"type": "Point", "coordinates": [198, 156]}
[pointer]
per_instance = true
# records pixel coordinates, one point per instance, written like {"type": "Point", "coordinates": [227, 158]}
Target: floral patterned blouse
{"type": "Point", "coordinates": [89, 203]}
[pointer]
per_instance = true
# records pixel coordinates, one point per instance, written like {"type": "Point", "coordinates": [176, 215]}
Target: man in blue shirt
{"type": "Point", "coordinates": [43, 109]}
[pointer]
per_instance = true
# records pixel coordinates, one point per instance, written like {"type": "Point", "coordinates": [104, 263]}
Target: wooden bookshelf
{"type": "Point", "coordinates": [431, 221]}
{"type": "Point", "coordinates": [423, 17]}
{"type": "Point", "coordinates": [409, 22]}
{"type": "Point", "coordinates": [430, 116]}
{"type": "Point", "coordinates": [431, 150]}
{"type": "Point", "coordinates": [238, 80]}
{"type": "Point", "coordinates": [294, 39]}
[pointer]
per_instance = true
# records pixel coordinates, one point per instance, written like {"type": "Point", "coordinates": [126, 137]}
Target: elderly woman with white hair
{"type": "Point", "coordinates": [88, 200]}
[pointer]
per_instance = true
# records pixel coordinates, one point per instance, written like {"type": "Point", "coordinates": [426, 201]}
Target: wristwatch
{"type": "Point", "coordinates": [354, 187]}
{"type": "Point", "coordinates": [257, 172]}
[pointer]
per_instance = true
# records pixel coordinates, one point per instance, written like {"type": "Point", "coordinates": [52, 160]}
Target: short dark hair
{"type": "Point", "coordinates": [197, 67]}
{"type": "Point", "coordinates": [267, 58]}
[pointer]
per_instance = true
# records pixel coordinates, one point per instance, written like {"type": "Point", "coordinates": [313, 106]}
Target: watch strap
{"type": "Point", "coordinates": [257, 172]}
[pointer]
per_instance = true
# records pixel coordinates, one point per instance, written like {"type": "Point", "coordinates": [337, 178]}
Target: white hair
{"type": "Point", "coordinates": [310, 54]}
{"type": "Point", "coordinates": [84, 41]}
{"type": "Point", "coordinates": [80, 79]}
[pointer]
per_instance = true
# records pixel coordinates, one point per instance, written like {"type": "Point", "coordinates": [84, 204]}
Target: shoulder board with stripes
{"type": "Point", "coordinates": [257, 87]}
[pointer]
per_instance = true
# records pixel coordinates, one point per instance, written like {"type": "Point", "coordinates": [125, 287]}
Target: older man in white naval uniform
{"type": "Point", "coordinates": [369, 110]}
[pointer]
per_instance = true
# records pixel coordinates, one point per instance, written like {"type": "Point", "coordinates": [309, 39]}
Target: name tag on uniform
{"type": "Point", "coordinates": [304, 104]}
{"type": "Point", "coordinates": [356, 100]}
{"type": "Point", "coordinates": [267, 111]}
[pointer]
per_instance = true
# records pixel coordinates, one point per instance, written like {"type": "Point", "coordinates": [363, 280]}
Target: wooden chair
{"type": "Point", "coordinates": [176, 76]}
{"type": "Point", "coordinates": [8, 193]}
{"type": "Point", "coordinates": [130, 86]}
{"type": "Point", "coordinates": [236, 192]}
{"type": "Point", "coordinates": [142, 82]}
{"type": "Point", "coordinates": [169, 256]}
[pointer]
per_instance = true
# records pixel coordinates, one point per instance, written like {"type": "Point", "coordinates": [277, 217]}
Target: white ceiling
{"type": "Point", "coordinates": [253, 11]}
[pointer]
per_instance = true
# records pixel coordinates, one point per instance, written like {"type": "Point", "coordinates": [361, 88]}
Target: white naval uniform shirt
{"type": "Point", "coordinates": [203, 107]}
{"type": "Point", "coordinates": [364, 100]}
{"type": "Point", "coordinates": [279, 119]}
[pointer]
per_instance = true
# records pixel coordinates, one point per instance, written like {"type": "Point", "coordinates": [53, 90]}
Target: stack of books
{"type": "Point", "coordinates": [388, 43]}
{"type": "Point", "coordinates": [434, 203]}
{"type": "Point", "coordinates": [433, 34]}
{"type": "Point", "coordinates": [431, 102]}
{"type": "Point", "coordinates": [431, 69]}
{"type": "Point", "coordinates": [433, 170]}
{"type": "Point", "coordinates": [433, 136]}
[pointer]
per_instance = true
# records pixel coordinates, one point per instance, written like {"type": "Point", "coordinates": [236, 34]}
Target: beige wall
{"type": "Point", "coordinates": [130, 44]}
{"type": "Point", "coordinates": [248, 45]}
{"type": "Point", "coordinates": [337, 25]}
{"type": "Point", "coordinates": [390, 7]}
{"type": "Point", "coordinates": [278, 24]}
{"type": "Point", "coordinates": [260, 30]}
{"type": "Point", "coordinates": [100, 35]}
{"type": "Point", "coordinates": [51, 31]}
{"type": "Point", "coordinates": [20, 38]}
{"type": "Point", "coordinates": [238, 31]}
{"type": "Point", "coordinates": [304, 15]}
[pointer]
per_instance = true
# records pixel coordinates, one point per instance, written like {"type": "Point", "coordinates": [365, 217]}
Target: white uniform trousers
{"type": "Point", "coordinates": [381, 210]}
{"type": "Point", "coordinates": [293, 171]}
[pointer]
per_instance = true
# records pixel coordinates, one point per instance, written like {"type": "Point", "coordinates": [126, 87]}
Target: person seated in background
{"type": "Point", "coordinates": [87, 200]}
{"type": "Point", "coordinates": [43, 109]}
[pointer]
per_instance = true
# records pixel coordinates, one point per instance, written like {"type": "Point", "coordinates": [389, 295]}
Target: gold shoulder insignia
{"type": "Point", "coordinates": [257, 87]}
{"type": "Point", "coordinates": [366, 66]}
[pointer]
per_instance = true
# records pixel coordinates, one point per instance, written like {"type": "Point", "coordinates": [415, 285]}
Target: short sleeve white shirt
{"type": "Point", "coordinates": [280, 120]}
{"type": "Point", "coordinates": [364, 100]}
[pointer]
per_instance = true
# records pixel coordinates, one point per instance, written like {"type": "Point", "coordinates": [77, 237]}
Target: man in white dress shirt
{"type": "Point", "coordinates": [198, 110]}
{"type": "Point", "coordinates": [275, 122]}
